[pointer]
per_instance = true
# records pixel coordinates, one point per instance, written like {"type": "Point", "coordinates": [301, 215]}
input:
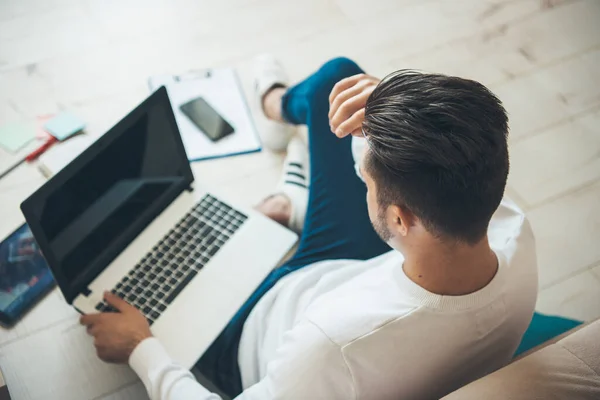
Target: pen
{"type": "Point", "coordinates": [40, 150]}
{"type": "Point", "coordinates": [31, 156]}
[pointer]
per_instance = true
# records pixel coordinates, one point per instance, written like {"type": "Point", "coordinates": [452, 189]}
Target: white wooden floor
{"type": "Point", "coordinates": [541, 57]}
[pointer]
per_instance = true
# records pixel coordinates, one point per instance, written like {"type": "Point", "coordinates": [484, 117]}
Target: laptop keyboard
{"type": "Point", "coordinates": [174, 261]}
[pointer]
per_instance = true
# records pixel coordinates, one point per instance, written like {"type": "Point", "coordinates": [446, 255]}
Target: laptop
{"type": "Point", "coordinates": [127, 216]}
{"type": "Point", "coordinates": [4, 394]}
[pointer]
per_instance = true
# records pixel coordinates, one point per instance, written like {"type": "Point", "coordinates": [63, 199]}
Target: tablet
{"type": "Point", "coordinates": [24, 275]}
{"type": "Point", "coordinates": [4, 394]}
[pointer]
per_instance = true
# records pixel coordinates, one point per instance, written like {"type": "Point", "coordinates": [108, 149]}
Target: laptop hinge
{"type": "Point", "coordinates": [86, 292]}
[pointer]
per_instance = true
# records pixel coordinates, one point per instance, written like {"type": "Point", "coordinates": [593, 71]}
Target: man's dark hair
{"type": "Point", "coordinates": [438, 147]}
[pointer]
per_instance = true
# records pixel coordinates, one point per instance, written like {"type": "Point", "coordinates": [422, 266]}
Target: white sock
{"type": "Point", "coordinates": [295, 181]}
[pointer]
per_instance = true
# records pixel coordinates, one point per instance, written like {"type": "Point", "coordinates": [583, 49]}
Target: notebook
{"type": "Point", "coordinates": [222, 90]}
{"type": "Point", "coordinates": [15, 136]}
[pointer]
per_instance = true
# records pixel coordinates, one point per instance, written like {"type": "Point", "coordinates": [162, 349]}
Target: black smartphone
{"type": "Point", "coordinates": [207, 119]}
{"type": "Point", "coordinates": [24, 275]}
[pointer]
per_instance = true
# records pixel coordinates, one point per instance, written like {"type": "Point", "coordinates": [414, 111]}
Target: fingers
{"type": "Point", "coordinates": [117, 302]}
{"type": "Point", "coordinates": [343, 85]}
{"type": "Point", "coordinates": [92, 330]}
{"type": "Point", "coordinates": [352, 125]}
{"type": "Point", "coordinates": [104, 352]}
{"type": "Point", "coordinates": [91, 322]}
{"type": "Point", "coordinates": [90, 319]}
{"type": "Point", "coordinates": [345, 95]}
{"type": "Point", "coordinates": [347, 102]}
{"type": "Point", "coordinates": [106, 355]}
{"type": "Point", "coordinates": [346, 110]}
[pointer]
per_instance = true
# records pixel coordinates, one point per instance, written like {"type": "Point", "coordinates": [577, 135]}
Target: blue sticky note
{"type": "Point", "coordinates": [64, 125]}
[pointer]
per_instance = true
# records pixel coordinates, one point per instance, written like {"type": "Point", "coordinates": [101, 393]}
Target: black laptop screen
{"type": "Point", "coordinates": [114, 191]}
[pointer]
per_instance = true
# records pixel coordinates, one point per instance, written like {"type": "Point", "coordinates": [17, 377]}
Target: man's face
{"type": "Point", "coordinates": [377, 214]}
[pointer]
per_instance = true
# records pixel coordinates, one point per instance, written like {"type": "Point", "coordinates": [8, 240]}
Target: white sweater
{"type": "Point", "coordinates": [348, 329]}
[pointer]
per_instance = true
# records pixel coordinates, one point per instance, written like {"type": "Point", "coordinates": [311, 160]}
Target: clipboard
{"type": "Point", "coordinates": [222, 89]}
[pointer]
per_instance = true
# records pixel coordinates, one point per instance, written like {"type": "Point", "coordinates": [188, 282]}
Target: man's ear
{"type": "Point", "coordinates": [400, 219]}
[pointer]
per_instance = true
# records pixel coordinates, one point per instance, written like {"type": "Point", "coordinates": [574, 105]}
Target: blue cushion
{"type": "Point", "coordinates": [543, 328]}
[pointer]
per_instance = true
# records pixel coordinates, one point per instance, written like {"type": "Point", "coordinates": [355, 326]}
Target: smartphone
{"type": "Point", "coordinates": [24, 275]}
{"type": "Point", "coordinates": [207, 119]}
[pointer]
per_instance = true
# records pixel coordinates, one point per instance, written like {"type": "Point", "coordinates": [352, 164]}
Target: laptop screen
{"type": "Point", "coordinates": [107, 195]}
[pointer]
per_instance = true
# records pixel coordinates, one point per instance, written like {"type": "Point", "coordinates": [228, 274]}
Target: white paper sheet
{"type": "Point", "coordinates": [221, 89]}
{"type": "Point", "coordinates": [137, 391]}
{"type": "Point", "coordinates": [60, 363]}
{"type": "Point", "coordinates": [51, 310]}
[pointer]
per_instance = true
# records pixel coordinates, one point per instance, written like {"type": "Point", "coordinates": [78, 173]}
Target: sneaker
{"type": "Point", "coordinates": [269, 73]}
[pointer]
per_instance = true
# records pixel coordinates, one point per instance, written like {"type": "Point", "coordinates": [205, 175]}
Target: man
{"type": "Point", "coordinates": [447, 305]}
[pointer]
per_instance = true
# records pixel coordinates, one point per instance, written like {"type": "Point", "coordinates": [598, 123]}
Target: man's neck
{"type": "Point", "coordinates": [451, 270]}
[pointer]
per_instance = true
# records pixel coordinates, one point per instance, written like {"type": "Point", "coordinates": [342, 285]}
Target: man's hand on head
{"type": "Point", "coordinates": [347, 104]}
{"type": "Point", "coordinates": [116, 334]}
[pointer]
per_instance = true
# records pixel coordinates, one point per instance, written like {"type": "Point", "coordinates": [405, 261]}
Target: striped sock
{"type": "Point", "coordinates": [295, 182]}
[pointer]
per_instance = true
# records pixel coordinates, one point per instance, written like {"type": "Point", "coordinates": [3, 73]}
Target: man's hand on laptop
{"type": "Point", "coordinates": [116, 334]}
{"type": "Point", "coordinates": [347, 104]}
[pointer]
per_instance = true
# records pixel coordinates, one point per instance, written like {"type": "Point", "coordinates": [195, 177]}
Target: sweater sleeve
{"type": "Point", "coordinates": [163, 378]}
{"type": "Point", "coordinates": [297, 371]}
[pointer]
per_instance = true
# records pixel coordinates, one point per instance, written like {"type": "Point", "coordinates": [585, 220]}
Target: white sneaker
{"type": "Point", "coordinates": [268, 72]}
